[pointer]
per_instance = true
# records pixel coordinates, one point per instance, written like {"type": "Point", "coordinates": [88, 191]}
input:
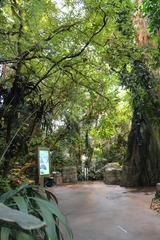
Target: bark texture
{"type": "Point", "coordinates": [142, 163]}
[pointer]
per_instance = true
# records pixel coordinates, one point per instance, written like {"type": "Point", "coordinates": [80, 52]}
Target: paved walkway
{"type": "Point", "coordinates": [100, 212]}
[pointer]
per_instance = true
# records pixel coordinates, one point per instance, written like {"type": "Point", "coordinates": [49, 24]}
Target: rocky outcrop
{"type": "Point", "coordinates": [112, 173]}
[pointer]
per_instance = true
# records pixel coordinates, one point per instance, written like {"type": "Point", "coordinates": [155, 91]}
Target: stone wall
{"type": "Point", "coordinates": [69, 174]}
{"type": "Point", "coordinates": [112, 173]}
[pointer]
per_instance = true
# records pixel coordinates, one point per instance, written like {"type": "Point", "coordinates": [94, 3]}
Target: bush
{"type": "Point", "coordinates": [95, 175]}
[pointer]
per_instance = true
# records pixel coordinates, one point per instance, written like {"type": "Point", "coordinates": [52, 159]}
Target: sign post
{"type": "Point", "coordinates": [43, 163]}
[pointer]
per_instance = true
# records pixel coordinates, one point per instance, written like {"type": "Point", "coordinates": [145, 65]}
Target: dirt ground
{"type": "Point", "coordinates": [97, 211]}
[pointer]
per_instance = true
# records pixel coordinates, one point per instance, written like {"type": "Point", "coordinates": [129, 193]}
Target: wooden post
{"type": "Point", "coordinates": [41, 181]}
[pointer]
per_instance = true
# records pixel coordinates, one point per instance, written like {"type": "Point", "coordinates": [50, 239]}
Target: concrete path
{"type": "Point", "coordinates": [100, 212]}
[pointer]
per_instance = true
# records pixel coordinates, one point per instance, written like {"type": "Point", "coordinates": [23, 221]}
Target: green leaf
{"type": "Point", "coordinates": [52, 207]}
{"type": "Point", "coordinates": [51, 196]}
{"type": "Point", "coordinates": [21, 203]}
{"type": "Point", "coordinates": [49, 220]}
{"type": "Point", "coordinates": [5, 232]}
{"type": "Point", "coordinates": [4, 197]}
{"type": "Point", "coordinates": [24, 236]}
{"type": "Point", "coordinates": [24, 221]}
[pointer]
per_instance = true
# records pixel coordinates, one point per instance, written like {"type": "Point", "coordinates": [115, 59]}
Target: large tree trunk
{"type": "Point", "coordinates": [142, 163]}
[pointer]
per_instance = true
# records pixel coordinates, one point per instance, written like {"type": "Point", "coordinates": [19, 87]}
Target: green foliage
{"type": "Point", "coordinates": [31, 214]}
{"type": "Point", "coordinates": [5, 185]}
{"type": "Point", "coordinates": [140, 79]}
{"type": "Point", "coordinates": [111, 132]}
{"type": "Point", "coordinates": [151, 10]}
{"type": "Point", "coordinates": [95, 175]}
{"type": "Point", "coordinates": [24, 221]}
{"type": "Point", "coordinates": [63, 64]}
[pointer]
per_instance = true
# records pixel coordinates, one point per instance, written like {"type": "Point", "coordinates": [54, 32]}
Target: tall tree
{"type": "Point", "coordinates": [142, 165]}
{"type": "Point", "coordinates": [49, 53]}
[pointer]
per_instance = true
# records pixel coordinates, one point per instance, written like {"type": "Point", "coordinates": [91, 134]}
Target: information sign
{"type": "Point", "coordinates": [44, 161]}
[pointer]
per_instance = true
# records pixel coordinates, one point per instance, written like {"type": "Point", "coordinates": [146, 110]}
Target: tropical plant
{"type": "Point", "coordinates": [31, 213]}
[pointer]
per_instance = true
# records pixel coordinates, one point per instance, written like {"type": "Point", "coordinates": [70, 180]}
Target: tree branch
{"type": "Point", "coordinates": [60, 29]}
{"type": "Point", "coordinates": [74, 55]}
{"type": "Point", "coordinates": [8, 33]}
